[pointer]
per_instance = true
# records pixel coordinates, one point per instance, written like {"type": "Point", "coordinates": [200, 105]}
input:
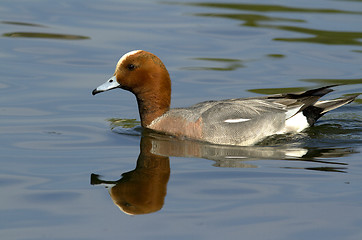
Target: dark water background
{"type": "Point", "coordinates": [54, 134]}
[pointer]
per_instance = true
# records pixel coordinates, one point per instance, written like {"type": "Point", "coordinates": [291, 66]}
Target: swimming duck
{"type": "Point", "coordinates": [241, 121]}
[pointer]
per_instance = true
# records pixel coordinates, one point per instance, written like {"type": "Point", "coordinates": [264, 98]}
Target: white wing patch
{"type": "Point", "coordinates": [237, 120]}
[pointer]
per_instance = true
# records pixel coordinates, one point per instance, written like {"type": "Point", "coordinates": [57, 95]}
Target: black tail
{"type": "Point", "coordinates": [303, 99]}
{"type": "Point", "coordinates": [318, 109]}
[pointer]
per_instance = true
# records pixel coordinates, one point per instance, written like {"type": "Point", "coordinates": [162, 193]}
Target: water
{"type": "Point", "coordinates": [60, 146]}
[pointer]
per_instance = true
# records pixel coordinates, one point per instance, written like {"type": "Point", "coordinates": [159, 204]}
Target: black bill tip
{"type": "Point", "coordinates": [95, 91]}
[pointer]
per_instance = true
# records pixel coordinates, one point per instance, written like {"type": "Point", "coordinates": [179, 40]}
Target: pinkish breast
{"type": "Point", "coordinates": [178, 126]}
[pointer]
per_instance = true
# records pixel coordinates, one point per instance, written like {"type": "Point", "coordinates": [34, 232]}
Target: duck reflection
{"type": "Point", "coordinates": [242, 157]}
{"type": "Point", "coordinates": [143, 190]}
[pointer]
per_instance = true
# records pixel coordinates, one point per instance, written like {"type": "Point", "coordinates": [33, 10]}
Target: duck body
{"type": "Point", "coordinates": [229, 122]}
{"type": "Point", "coordinates": [242, 121]}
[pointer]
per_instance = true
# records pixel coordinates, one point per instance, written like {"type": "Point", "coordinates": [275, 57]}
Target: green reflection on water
{"type": "Point", "coordinates": [39, 34]}
{"type": "Point", "coordinates": [124, 123]}
{"type": "Point", "coordinates": [252, 20]}
{"type": "Point", "coordinates": [275, 55]}
{"type": "Point", "coordinates": [22, 24]}
{"type": "Point", "coordinates": [231, 64]}
{"type": "Point", "coordinates": [268, 91]}
{"type": "Point", "coordinates": [334, 81]}
{"type": "Point", "coordinates": [44, 35]}
{"type": "Point", "coordinates": [269, 8]}
{"type": "Point", "coordinates": [321, 36]}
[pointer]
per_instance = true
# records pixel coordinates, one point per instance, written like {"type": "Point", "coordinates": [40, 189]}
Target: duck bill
{"type": "Point", "coordinates": [109, 85]}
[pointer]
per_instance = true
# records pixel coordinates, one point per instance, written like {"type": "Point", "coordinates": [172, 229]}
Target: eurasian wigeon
{"type": "Point", "coordinates": [241, 121]}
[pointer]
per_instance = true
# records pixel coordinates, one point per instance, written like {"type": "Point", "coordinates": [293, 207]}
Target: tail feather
{"type": "Point", "coordinates": [317, 92]}
{"type": "Point", "coordinates": [301, 100]}
{"type": "Point", "coordinates": [318, 109]}
{"type": "Point", "coordinates": [307, 102]}
{"type": "Point", "coordinates": [329, 105]}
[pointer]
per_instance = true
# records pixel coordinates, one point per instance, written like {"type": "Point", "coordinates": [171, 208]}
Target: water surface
{"type": "Point", "coordinates": [63, 151]}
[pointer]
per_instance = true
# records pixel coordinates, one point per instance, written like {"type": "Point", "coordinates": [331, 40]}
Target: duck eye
{"type": "Point", "coordinates": [131, 67]}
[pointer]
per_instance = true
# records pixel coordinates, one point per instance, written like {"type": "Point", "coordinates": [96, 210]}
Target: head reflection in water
{"type": "Point", "coordinates": [142, 190]}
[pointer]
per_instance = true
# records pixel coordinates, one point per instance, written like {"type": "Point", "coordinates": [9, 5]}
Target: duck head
{"type": "Point", "coordinates": [143, 74]}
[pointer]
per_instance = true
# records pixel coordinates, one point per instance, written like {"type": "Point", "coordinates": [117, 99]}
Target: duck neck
{"type": "Point", "coordinates": [152, 106]}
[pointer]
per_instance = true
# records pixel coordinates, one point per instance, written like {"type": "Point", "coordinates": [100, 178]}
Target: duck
{"type": "Point", "coordinates": [239, 121]}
